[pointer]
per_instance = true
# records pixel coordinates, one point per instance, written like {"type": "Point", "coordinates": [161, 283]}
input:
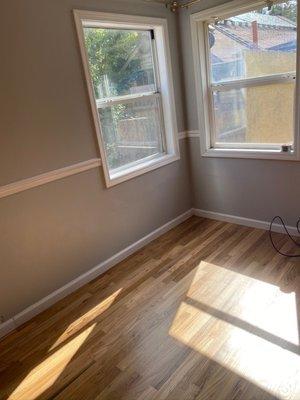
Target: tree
{"type": "Point", "coordinates": [115, 60]}
{"type": "Point", "coordinates": [287, 10]}
{"type": "Point", "coordinates": [112, 56]}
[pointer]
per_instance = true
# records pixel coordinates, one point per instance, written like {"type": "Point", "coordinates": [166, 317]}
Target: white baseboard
{"type": "Point", "coordinates": [99, 269]}
{"type": "Point", "coordinates": [234, 219]}
{"type": "Point", "coordinates": [6, 327]}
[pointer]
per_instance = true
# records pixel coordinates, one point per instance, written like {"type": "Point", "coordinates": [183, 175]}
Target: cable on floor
{"type": "Point", "coordinates": [287, 232]}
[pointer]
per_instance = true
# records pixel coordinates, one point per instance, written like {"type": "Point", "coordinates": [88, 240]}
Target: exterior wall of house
{"type": "Point", "coordinates": [266, 123]}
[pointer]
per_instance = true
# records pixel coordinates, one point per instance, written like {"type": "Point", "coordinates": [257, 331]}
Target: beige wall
{"type": "Point", "coordinates": [55, 232]}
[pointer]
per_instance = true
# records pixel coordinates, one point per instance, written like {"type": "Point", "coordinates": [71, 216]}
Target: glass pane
{"type": "Point", "coordinates": [120, 60]}
{"type": "Point", "coordinates": [257, 43]}
{"type": "Point", "coordinates": [259, 114]}
{"type": "Point", "coordinates": [131, 131]}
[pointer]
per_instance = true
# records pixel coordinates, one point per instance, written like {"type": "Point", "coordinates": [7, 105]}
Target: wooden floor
{"type": "Point", "coordinates": [207, 311]}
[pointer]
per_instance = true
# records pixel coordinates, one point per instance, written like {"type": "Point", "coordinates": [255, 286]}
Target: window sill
{"type": "Point", "coordinates": [250, 153]}
{"type": "Point", "coordinates": [140, 169]}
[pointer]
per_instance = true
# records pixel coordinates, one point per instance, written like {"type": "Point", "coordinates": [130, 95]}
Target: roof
{"type": "Point", "coordinates": [264, 19]}
{"type": "Point", "coordinates": [289, 46]}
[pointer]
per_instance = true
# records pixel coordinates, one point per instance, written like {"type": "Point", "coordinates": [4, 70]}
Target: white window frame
{"type": "Point", "coordinates": [165, 86]}
{"type": "Point", "coordinates": [199, 22]}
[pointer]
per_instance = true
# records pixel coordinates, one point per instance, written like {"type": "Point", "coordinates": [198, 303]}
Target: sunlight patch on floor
{"type": "Point", "coordinates": [250, 328]}
{"type": "Point", "coordinates": [86, 318]}
{"type": "Point", "coordinates": [44, 375]}
{"type": "Point", "coordinates": [259, 303]}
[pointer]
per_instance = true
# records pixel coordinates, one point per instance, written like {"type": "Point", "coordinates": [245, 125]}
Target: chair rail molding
{"type": "Point", "coordinates": [56, 174]}
{"type": "Point", "coordinates": [47, 177]}
{"type": "Point", "coordinates": [188, 134]}
{"type": "Point", "coordinates": [192, 134]}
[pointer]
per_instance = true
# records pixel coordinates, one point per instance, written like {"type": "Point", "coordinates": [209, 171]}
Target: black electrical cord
{"type": "Point", "coordinates": [287, 232]}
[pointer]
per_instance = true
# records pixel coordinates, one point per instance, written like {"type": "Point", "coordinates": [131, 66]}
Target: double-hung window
{"type": "Point", "coordinates": [247, 66]}
{"type": "Point", "coordinates": [127, 66]}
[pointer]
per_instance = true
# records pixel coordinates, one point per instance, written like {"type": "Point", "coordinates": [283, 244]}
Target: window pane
{"type": "Point", "coordinates": [121, 61]}
{"type": "Point", "coordinates": [131, 131]}
{"type": "Point", "coordinates": [257, 43]}
{"type": "Point", "coordinates": [258, 114]}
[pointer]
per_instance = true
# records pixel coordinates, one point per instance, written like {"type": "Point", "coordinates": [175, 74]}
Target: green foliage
{"type": "Point", "coordinates": [119, 61]}
{"type": "Point", "coordinates": [287, 10]}
{"type": "Point", "coordinates": [111, 53]}
{"type": "Point", "coordinates": [114, 67]}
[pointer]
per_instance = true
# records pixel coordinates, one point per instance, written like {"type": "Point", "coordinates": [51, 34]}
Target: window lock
{"type": "Point", "coordinates": [286, 148]}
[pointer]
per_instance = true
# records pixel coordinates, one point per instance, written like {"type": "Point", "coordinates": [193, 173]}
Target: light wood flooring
{"type": "Point", "coordinates": [206, 311]}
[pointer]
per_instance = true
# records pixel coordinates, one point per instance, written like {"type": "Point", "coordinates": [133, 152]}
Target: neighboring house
{"type": "Point", "coordinates": [251, 32]}
{"type": "Point", "coordinates": [245, 46]}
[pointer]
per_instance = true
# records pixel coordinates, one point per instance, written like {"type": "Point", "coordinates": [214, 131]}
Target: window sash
{"type": "Point", "coordinates": [130, 98]}
{"type": "Point", "coordinates": [249, 146]}
{"type": "Point", "coordinates": [135, 97]}
{"type": "Point", "coordinates": [164, 87]}
{"type": "Point", "coordinates": [214, 17]}
{"type": "Point", "coordinates": [238, 84]}
{"type": "Point", "coordinates": [115, 171]}
{"type": "Point", "coordinates": [252, 82]}
{"type": "Point", "coordinates": [110, 102]}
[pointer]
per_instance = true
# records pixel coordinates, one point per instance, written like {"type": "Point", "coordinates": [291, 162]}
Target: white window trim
{"type": "Point", "coordinates": [159, 25]}
{"type": "Point", "coordinates": [201, 73]}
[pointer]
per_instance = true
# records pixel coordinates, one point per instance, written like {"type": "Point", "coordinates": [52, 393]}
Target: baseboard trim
{"type": "Point", "coordinates": [6, 327]}
{"type": "Point", "coordinates": [99, 269]}
{"type": "Point", "coordinates": [31, 311]}
{"type": "Point", "coordinates": [253, 223]}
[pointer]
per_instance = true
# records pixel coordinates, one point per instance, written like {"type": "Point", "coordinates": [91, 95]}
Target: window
{"type": "Point", "coordinates": [248, 78]}
{"type": "Point", "coordinates": [127, 66]}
